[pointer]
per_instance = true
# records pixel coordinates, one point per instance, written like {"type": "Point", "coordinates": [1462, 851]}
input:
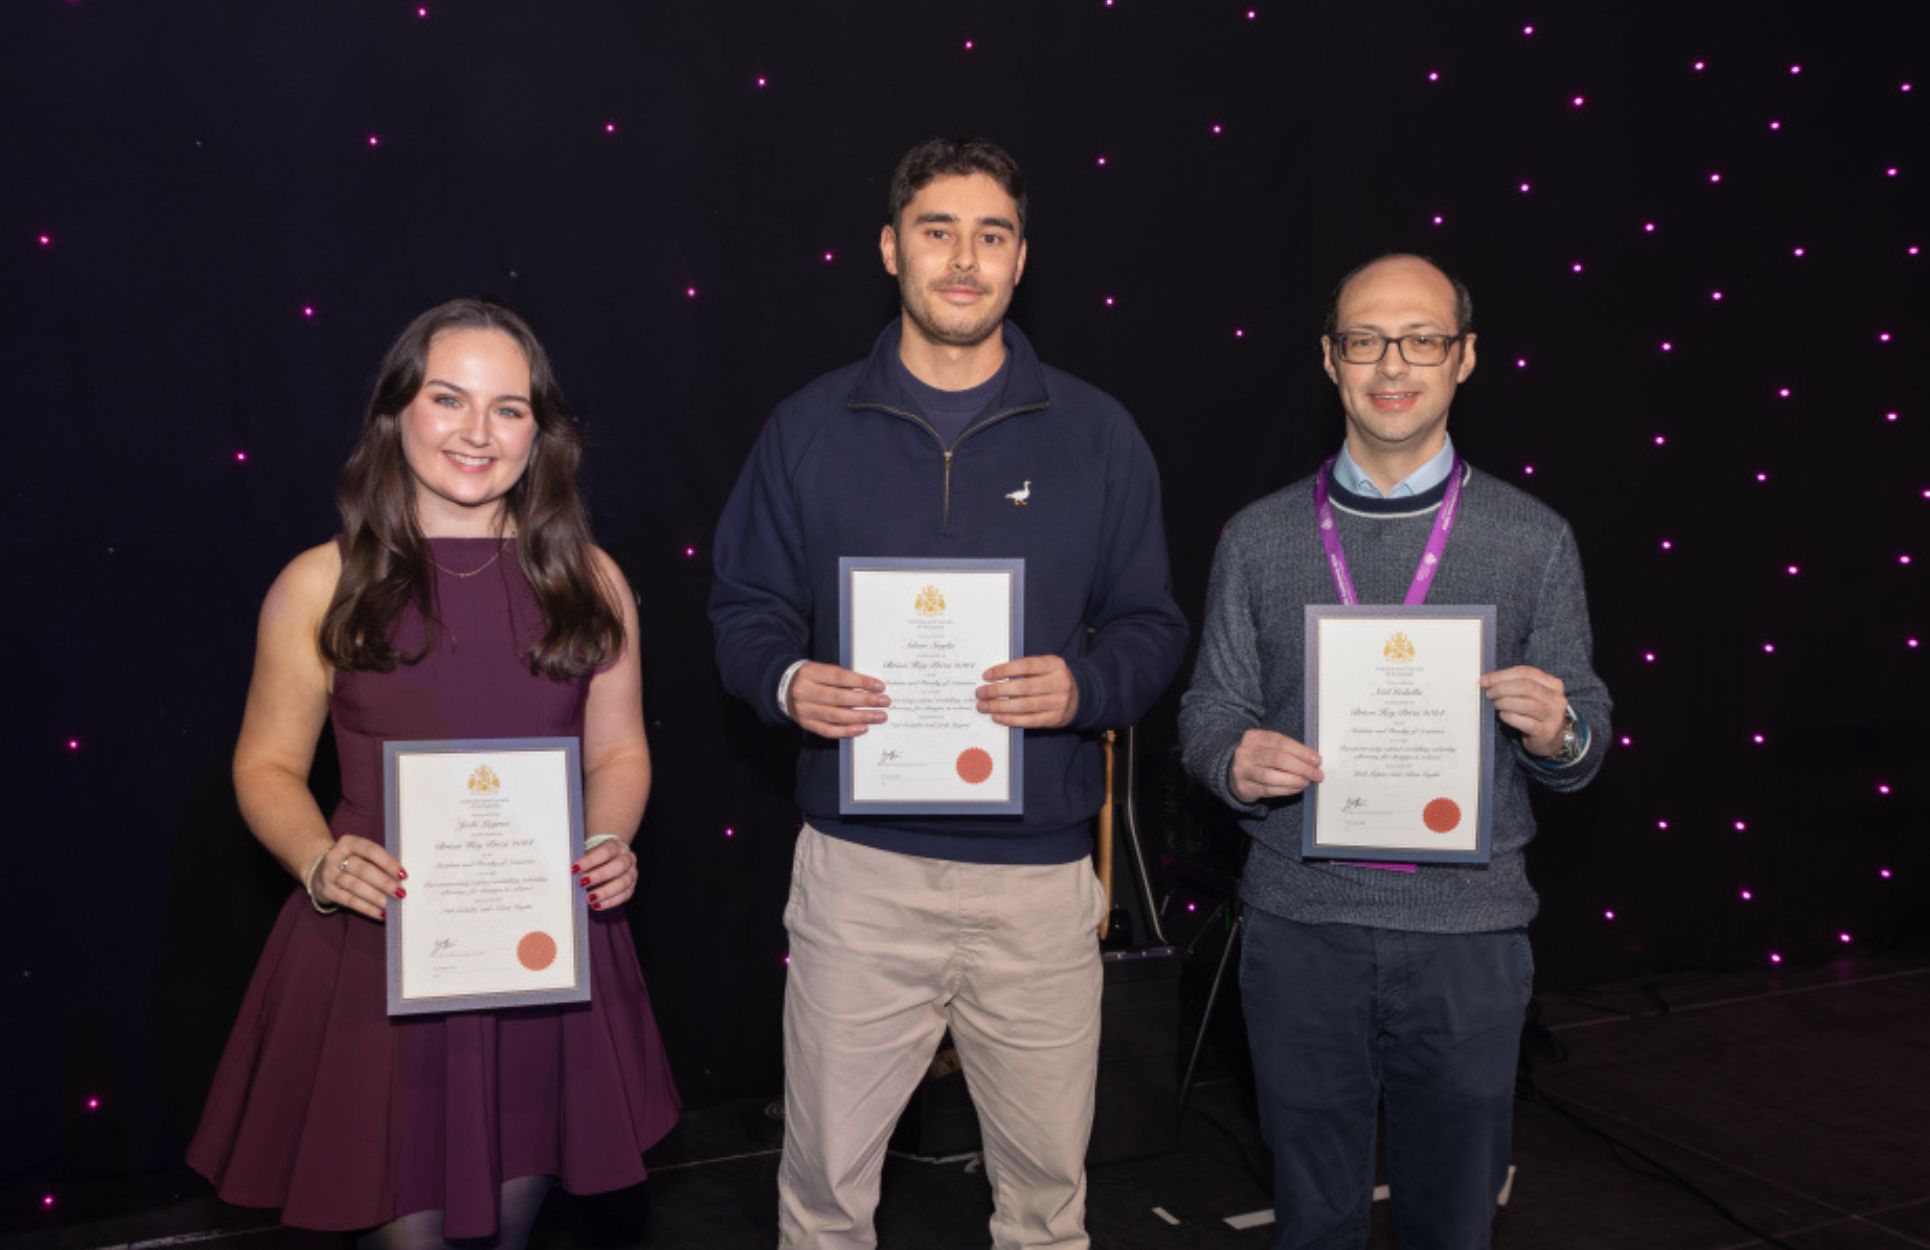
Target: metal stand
{"type": "Point", "coordinates": [1212, 999]}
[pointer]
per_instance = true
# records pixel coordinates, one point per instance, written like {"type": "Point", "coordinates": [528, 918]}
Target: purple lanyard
{"type": "Point", "coordinates": [1430, 556]}
{"type": "Point", "coordinates": [1437, 542]}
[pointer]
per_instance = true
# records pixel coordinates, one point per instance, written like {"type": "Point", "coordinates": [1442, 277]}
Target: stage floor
{"type": "Point", "coordinates": [1798, 1104]}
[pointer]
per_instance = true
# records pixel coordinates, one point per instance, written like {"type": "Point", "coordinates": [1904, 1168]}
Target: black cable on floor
{"type": "Point", "coordinates": [1536, 1039]}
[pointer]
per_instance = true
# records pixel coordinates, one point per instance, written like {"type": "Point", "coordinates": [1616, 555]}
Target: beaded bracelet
{"type": "Point", "coordinates": [591, 844]}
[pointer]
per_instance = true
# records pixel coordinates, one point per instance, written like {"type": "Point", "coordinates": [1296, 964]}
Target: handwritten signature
{"type": "Point", "coordinates": [443, 946]}
{"type": "Point", "coordinates": [1353, 805]}
{"type": "Point", "coordinates": [888, 757]}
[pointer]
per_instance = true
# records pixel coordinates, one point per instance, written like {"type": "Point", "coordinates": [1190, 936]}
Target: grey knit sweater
{"type": "Point", "coordinates": [1507, 549]}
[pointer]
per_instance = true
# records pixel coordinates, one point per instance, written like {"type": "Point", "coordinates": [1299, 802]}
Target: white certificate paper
{"type": "Point", "coordinates": [1406, 738]}
{"type": "Point", "coordinates": [929, 629]}
{"type": "Point", "coordinates": [488, 829]}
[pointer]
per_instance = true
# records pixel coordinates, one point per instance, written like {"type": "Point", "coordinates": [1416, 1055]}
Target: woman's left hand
{"type": "Point", "coordinates": [608, 872]}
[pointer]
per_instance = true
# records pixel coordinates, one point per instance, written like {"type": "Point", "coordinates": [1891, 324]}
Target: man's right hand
{"type": "Point", "coordinates": [834, 702]}
{"type": "Point", "coordinates": [1267, 765]}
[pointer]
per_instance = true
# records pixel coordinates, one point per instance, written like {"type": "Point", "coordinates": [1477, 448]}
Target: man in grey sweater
{"type": "Point", "coordinates": [1364, 981]}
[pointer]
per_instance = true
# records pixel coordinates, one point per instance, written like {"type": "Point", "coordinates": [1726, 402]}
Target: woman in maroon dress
{"type": "Point", "coordinates": [463, 599]}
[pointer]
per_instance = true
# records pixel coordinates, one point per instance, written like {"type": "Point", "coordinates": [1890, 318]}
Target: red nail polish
{"type": "Point", "coordinates": [596, 907]}
{"type": "Point", "coordinates": [576, 868]}
{"type": "Point", "coordinates": [382, 915]}
{"type": "Point", "coordinates": [401, 874]}
{"type": "Point", "coordinates": [593, 901]}
{"type": "Point", "coordinates": [400, 892]}
{"type": "Point", "coordinates": [584, 883]}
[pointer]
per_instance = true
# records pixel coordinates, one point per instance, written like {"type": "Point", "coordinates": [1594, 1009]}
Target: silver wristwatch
{"type": "Point", "coordinates": [1570, 749]}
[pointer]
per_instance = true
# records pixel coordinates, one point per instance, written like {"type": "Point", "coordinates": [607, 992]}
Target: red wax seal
{"type": "Point", "coordinates": [536, 951]}
{"type": "Point", "coordinates": [1441, 815]}
{"type": "Point", "coordinates": [974, 765]}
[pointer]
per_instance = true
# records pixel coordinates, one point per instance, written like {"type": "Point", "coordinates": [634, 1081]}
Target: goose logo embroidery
{"type": "Point", "coordinates": [1022, 497]}
{"type": "Point", "coordinates": [930, 601]}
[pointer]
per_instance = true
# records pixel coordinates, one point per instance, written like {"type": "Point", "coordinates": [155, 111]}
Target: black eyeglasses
{"type": "Point", "coordinates": [1364, 347]}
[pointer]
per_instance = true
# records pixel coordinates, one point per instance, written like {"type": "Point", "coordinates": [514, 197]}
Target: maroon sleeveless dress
{"type": "Point", "coordinates": [344, 1118]}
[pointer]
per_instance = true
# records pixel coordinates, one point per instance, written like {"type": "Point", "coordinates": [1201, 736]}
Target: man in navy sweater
{"type": "Point", "coordinates": [950, 441]}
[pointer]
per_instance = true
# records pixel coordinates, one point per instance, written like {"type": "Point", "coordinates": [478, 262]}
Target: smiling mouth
{"type": "Point", "coordinates": [470, 462]}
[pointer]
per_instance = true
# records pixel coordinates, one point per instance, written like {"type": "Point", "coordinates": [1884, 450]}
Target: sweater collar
{"type": "Point", "coordinates": [878, 387]}
{"type": "Point", "coordinates": [1407, 505]}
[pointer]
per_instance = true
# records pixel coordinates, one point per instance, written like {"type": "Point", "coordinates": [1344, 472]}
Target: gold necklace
{"type": "Point", "coordinates": [500, 547]}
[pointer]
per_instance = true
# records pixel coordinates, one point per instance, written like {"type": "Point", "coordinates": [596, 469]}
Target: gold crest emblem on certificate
{"type": "Point", "coordinates": [930, 601]}
{"type": "Point", "coordinates": [1399, 648]}
{"type": "Point", "coordinates": [484, 780]}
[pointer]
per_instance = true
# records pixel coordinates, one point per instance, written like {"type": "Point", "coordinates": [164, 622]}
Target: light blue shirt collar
{"type": "Point", "coordinates": [1349, 476]}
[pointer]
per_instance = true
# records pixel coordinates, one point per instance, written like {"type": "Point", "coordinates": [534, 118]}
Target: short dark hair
{"type": "Point", "coordinates": [938, 157]}
{"type": "Point", "coordinates": [1463, 301]}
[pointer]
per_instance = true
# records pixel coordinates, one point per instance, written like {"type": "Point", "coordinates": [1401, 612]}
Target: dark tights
{"type": "Point", "coordinates": [522, 1198]}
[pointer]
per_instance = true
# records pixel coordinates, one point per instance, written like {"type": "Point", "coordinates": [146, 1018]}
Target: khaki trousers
{"type": "Point", "coordinates": [886, 951]}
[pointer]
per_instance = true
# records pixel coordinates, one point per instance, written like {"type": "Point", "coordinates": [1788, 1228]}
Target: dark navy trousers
{"type": "Point", "coordinates": [1340, 1016]}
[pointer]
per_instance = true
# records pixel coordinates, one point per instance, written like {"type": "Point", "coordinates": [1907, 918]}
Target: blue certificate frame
{"type": "Point", "coordinates": [1004, 787]}
{"type": "Point", "coordinates": [1424, 846]}
{"type": "Point", "coordinates": [530, 866]}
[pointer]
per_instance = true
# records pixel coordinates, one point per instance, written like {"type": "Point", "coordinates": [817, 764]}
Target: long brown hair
{"type": "Point", "coordinates": [385, 558]}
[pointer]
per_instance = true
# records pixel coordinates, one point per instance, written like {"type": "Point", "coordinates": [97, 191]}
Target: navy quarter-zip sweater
{"type": "Point", "coordinates": [846, 467]}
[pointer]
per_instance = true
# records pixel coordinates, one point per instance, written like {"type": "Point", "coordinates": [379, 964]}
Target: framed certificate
{"type": "Point", "coordinates": [1405, 735]}
{"type": "Point", "coordinates": [929, 629]}
{"type": "Point", "coordinates": [488, 828]}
